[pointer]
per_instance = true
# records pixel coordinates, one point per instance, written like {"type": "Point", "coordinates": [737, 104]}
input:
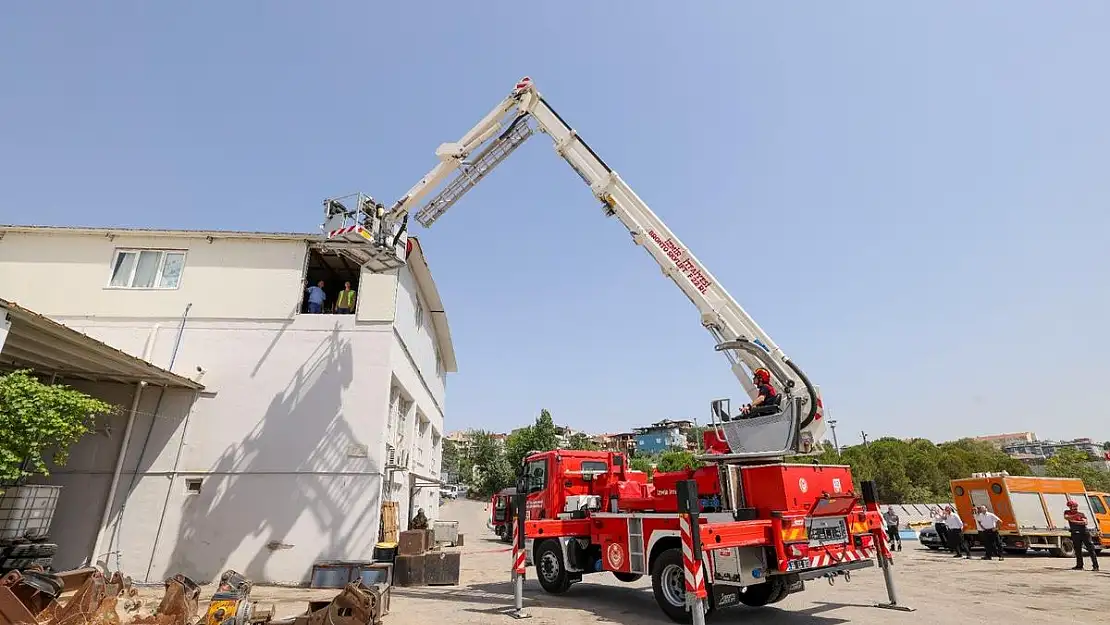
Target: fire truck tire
{"type": "Point", "coordinates": [550, 569]}
{"type": "Point", "coordinates": [628, 578]}
{"type": "Point", "coordinates": [668, 584]}
{"type": "Point", "coordinates": [771, 591]}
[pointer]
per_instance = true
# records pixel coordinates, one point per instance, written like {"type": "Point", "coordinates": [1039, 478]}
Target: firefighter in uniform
{"type": "Point", "coordinates": [1080, 537]}
{"type": "Point", "coordinates": [767, 402]}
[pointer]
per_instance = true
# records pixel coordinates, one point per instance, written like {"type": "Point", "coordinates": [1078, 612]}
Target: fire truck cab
{"type": "Point", "coordinates": [765, 528]}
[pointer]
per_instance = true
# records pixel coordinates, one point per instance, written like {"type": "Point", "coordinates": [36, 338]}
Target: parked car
{"type": "Point", "coordinates": [929, 538]}
{"type": "Point", "coordinates": [448, 492]}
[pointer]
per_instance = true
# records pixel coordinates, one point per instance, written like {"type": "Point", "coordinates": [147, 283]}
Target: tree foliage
{"type": "Point", "coordinates": [36, 419]}
{"type": "Point", "coordinates": [583, 442]}
{"type": "Point", "coordinates": [917, 470]}
{"type": "Point", "coordinates": [1075, 463]}
{"type": "Point", "coordinates": [676, 461]}
{"type": "Point", "coordinates": [642, 463]}
{"type": "Point", "coordinates": [540, 436]}
{"type": "Point", "coordinates": [483, 466]}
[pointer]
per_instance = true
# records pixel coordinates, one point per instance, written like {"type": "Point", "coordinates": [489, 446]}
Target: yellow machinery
{"type": "Point", "coordinates": [231, 603]}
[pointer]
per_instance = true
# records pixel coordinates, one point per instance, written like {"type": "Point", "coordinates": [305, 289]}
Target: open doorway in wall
{"type": "Point", "coordinates": [336, 272]}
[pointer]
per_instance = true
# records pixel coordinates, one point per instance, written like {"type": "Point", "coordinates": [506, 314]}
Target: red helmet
{"type": "Point", "coordinates": [762, 376]}
{"type": "Point", "coordinates": [1073, 504]}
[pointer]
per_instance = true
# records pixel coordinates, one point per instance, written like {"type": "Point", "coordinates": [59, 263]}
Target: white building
{"type": "Point", "coordinates": [269, 448]}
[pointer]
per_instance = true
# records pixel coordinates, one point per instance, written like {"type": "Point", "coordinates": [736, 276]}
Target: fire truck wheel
{"type": "Point", "coordinates": [668, 584]}
{"type": "Point", "coordinates": [771, 591]}
{"type": "Point", "coordinates": [627, 577]}
{"type": "Point", "coordinates": [549, 567]}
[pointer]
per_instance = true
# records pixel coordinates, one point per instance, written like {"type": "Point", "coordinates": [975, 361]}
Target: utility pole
{"type": "Point", "coordinates": [832, 424]}
{"type": "Point", "coordinates": [864, 435]}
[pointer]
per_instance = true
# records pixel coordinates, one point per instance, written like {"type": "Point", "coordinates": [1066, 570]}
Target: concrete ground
{"type": "Point", "coordinates": [1020, 590]}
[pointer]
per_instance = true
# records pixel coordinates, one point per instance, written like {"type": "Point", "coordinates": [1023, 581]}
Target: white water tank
{"type": "Point", "coordinates": [26, 511]}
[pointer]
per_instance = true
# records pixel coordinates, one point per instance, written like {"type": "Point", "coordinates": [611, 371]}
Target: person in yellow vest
{"type": "Point", "coordinates": [345, 303]}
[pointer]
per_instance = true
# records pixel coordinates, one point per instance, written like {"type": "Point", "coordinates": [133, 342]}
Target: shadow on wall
{"type": "Point", "coordinates": [87, 475]}
{"type": "Point", "coordinates": [245, 506]}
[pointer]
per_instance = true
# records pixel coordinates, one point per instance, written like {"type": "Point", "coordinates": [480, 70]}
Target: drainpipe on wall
{"type": "Point", "coordinates": [111, 499]}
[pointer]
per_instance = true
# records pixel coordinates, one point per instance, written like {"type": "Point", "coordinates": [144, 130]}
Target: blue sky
{"type": "Point", "coordinates": [907, 198]}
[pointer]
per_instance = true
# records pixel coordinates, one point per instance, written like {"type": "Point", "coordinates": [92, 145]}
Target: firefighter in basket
{"type": "Point", "coordinates": [767, 402]}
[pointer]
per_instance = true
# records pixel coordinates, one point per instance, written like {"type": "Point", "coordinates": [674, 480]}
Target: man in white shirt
{"type": "Point", "coordinates": [956, 532]}
{"type": "Point", "coordinates": [988, 523]}
{"type": "Point", "coordinates": [940, 527]}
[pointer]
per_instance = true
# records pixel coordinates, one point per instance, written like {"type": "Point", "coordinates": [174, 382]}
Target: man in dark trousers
{"type": "Point", "coordinates": [890, 517]}
{"type": "Point", "coordinates": [988, 523]}
{"type": "Point", "coordinates": [956, 533]}
{"type": "Point", "coordinates": [1080, 536]}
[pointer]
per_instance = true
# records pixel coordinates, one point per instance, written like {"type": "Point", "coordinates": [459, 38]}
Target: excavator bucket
{"type": "Point", "coordinates": [36, 598]}
{"type": "Point", "coordinates": [178, 606]}
{"type": "Point", "coordinates": [358, 604]}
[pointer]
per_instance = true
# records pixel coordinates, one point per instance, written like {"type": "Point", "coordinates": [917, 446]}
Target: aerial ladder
{"type": "Point", "coordinates": [379, 235]}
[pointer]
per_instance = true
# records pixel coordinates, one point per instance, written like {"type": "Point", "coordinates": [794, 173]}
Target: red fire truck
{"type": "Point", "coordinates": [766, 525]}
{"type": "Point", "coordinates": [501, 513]}
{"type": "Point", "coordinates": [765, 528]}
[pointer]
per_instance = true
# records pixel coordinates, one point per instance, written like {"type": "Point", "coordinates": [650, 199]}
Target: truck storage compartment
{"type": "Point", "coordinates": [793, 487]}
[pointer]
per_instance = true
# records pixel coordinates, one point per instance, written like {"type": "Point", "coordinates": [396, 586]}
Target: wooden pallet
{"type": "Point", "coordinates": [390, 525]}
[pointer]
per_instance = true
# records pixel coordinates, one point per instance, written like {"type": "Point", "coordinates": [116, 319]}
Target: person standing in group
{"type": "Point", "coordinates": [316, 298]}
{"type": "Point", "coordinates": [956, 538]}
{"type": "Point", "coordinates": [891, 520]}
{"type": "Point", "coordinates": [345, 303]}
{"type": "Point", "coordinates": [988, 523]}
{"type": "Point", "coordinates": [1080, 536]}
{"type": "Point", "coordinates": [940, 527]}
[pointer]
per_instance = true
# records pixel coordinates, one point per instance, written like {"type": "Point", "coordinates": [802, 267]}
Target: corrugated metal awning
{"type": "Point", "coordinates": [29, 340]}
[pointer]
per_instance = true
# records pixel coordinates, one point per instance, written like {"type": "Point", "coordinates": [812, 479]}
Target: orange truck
{"type": "Point", "coordinates": [1031, 509]}
{"type": "Point", "coordinates": [1100, 502]}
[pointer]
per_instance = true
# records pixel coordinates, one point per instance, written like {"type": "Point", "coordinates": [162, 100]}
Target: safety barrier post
{"type": "Point", "coordinates": [882, 550]}
{"type": "Point", "coordinates": [688, 511]}
{"type": "Point", "coordinates": [519, 558]}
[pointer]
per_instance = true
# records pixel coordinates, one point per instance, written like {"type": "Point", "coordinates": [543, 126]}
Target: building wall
{"type": "Point", "coordinates": [67, 274]}
{"type": "Point", "coordinates": [288, 440]}
{"type": "Point", "coordinates": [659, 441]}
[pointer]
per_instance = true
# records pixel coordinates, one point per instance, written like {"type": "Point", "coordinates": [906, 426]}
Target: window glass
{"type": "Point", "coordinates": [125, 264]}
{"type": "Point", "coordinates": [536, 475]}
{"type": "Point", "coordinates": [146, 271]}
{"type": "Point", "coordinates": [1096, 503]}
{"type": "Point", "coordinates": [594, 465]}
{"type": "Point", "coordinates": [171, 270]}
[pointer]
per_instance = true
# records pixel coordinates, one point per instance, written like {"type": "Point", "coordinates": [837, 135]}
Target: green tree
{"type": "Point", "coordinates": [486, 470]}
{"type": "Point", "coordinates": [451, 462]}
{"type": "Point", "coordinates": [580, 441]}
{"type": "Point", "coordinates": [1075, 464]}
{"type": "Point", "coordinates": [37, 418]}
{"type": "Point", "coordinates": [676, 461]}
{"type": "Point", "coordinates": [540, 436]}
{"type": "Point", "coordinates": [642, 463]}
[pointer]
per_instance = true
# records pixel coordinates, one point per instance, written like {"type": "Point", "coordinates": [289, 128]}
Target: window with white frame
{"type": "Point", "coordinates": [147, 269]}
{"type": "Point", "coordinates": [439, 362]}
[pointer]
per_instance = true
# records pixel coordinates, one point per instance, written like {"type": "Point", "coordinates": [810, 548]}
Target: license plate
{"type": "Point", "coordinates": [795, 565]}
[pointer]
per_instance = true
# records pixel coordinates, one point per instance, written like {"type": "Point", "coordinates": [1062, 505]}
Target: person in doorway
{"type": "Point", "coordinates": [767, 401]}
{"type": "Point", "coordinates": [891, 519]}
{"type": "Point", "coordinates": [1080, 536]}
{"type": "Point", "coordinates": [940, 527]}
{"type": "Point", "coordinates": [419, 522]}
{"type": "Point", "coordinates": [955, 526]}
{"type": "Point", "coordinates": [988, 523]}
{"type": "Point", "coordinates": [316, 298]}
{"type": "Point", "coordinates": [345, 302]}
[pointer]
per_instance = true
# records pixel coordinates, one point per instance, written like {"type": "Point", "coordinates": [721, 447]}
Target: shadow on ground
{"type": "Point", "coordinates": [620, 604]}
